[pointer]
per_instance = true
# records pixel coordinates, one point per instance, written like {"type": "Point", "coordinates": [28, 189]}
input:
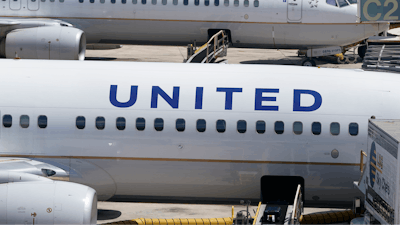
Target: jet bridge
{"type": "Point", "coordinates": [215, 48]}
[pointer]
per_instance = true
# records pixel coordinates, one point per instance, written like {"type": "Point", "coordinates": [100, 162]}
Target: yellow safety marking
{"type": "Point", "coordinates": [373, 165]}
{"type": "Point", "coordinates": [258, 211]}
{"type": "Point", "coordinates": [373, 172]}
{"type": "Point", "coordinates": [203, 46]}
{"type": "Point", "coordinates": [328, 217]}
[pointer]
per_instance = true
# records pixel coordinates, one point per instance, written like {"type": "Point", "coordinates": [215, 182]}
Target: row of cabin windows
{"type": "Point", "coordinates": [180, 125]}
{"type": "Point", "coordinates": [241, 126]}
{"type": "Point", "coordinates": [24, 121]}
{"type": "Point", "coordinates": [246, 3]}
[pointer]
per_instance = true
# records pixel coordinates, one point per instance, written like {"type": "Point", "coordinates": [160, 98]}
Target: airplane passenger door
{"type": "Point", "coordinates": [294, 8]}
{"type": "Point", "coordinates": [33, 5]}
{"type": "Point", "coordinates": [15, 4]}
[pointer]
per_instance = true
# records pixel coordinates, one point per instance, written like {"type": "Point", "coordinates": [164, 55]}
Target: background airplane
{"type": "Point", "coordinates": [153, 132]}
{"type": "Point", "coordinates": [58, 29]}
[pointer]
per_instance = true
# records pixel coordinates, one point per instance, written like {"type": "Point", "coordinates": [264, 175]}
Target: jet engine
{"type": "Point", "coordinates": [51, 42]}
{"type": "Point", "coordinates": [49, 202]}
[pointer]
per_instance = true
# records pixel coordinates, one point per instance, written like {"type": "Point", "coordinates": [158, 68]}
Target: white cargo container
{"type": "Point", "coordinates": [381, 172]}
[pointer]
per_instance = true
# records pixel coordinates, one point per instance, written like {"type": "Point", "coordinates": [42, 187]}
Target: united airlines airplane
{"type": "Point", "coordinates": [58, 29]}
{"type": "Point", "coordinates": [167, 132]}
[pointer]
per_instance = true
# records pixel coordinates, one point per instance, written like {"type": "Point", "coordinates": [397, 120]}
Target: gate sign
{"type": "Point", "coordinates": [379, 10]}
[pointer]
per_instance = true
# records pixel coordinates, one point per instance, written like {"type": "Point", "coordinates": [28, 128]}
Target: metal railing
{"type": "Point", "coordinates": [217, 43]}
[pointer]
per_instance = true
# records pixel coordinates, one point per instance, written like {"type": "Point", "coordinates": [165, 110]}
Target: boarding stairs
{"type": "Point", "coordinates": [215, 47]}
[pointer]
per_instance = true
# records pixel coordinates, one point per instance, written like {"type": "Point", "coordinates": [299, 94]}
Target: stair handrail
{"type": "Point", "coordinates": [216, 42]}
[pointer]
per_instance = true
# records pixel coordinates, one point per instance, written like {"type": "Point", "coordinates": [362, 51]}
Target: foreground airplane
{"type": "Point", "coordinates": [166, 132]}
{"type": "Point", "coordinates": [58, 29]}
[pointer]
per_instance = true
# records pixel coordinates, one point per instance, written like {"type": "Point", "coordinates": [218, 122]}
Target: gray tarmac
{"type": "Point", "coordinates": [119, 211]}
{"type": "Point", "coordinates": [176, 54]}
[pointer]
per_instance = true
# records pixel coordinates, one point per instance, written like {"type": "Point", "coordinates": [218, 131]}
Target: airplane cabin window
{"type": "Point", "coordinates": [316, 128]}
{"type": "Point", "coordinates": [201, 125]}
{"type": "Point", "coordinates": [241, 126]}
{"type": "Point", "coordinates": [342, 3]}
{"type": "Point", "coordinates": [123, 1]}
{"type": "Point", "coordinates": [80, 122]}
{"type": "Point", "coordinates": [144, 2]}
{"type": "Point", "coordinates": [121, 123]}
{"type": "Point", "coordinates": [164, 2]}
{"type": "Point", "coordinates": [91, 1]}
{"type": "Point", "coordinates": [154, 2]}
{"type": "Point", "coordinates": [196, 2]}
{"type": "Point", "coordinates": [175, 2]}
{"type": "Point", "coordinates": [81, 1]}
{"type": "Point", "coordinates": [331, 2]}
{"type": "Point", "coordinates": [134, 1]}
{"type": "Point", "coordinates": [140, 124]}
{"type": "Point", "coordinates": [158, 124]}
{"type": "Point", "coordinates": [42, 121]}
{"type": "Point", "coordinates": [60, 1]}
{"type": "Point", "coordinates": [113, 1]}
{"type": "Point", "coordinates": [335, 128]}
{"type": "Point", "coordinates": [226, 2]}
{"type": "Point", "coordinates": [180, 125]}
{"type": "Point", "coordinates": [102, 1]}
{"type": "Point", "coordinates": [353, 129]}
{"type": "Point", "coordinates": [236, 3]}
{"type": "Point", "coordinates": [260, 126]}
{"type": "Point", "coordinates": [206, 2]}
{"type": "Point", "coordinates": [216, 2]}
{"type": "Point", "coordinates": [185, 2]}
{"type": "Point", "coordinates": [298, 128]}
{"type": "Point", "coordinates": [100, 123]}
{"type": "Point", "coordinates": [279, 127]}
{"type": "Point", "coordinates": [353, 1]}
{"type": "Point", "coordinates": [54, 0]}
{"type": "Point", "coordinates": [24, 121]}
{"type": "Point", "coordinates": [7, 121]}
{"type": "Point", "coordinates": [256, 3]}
{"type": "Point", "coordinates": [221, 126]}
{"type": "Point", "coordinates": [246, 3]}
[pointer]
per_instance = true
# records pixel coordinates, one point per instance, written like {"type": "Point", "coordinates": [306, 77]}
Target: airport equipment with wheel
{"type": "Point", "coordinates": [380, 169]}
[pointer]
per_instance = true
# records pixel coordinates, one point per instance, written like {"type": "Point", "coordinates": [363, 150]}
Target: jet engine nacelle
{"type": "Point", "coordinates": [53, 42]}
{"type": "Point", "coordinates": [53, 202]}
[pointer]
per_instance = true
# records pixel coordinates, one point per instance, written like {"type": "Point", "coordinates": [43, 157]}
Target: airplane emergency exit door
{"type": "Point", "coordinates": [294, 8]}
{"type": "Point", "coordinates": [15, 4]}
{"type": "Point", "coordinates": [33, 5]}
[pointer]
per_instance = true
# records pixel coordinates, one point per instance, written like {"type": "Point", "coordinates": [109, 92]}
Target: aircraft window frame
{"type": "Point", "coordinates": [196, 2]}
{"type": "Point", "coordinates": [297, 131]}
{"type": "Point", "coordinates": [158, 121]}
{"type": "Point", "coordinates": [123, 1]}
{"type": "Point", "coordinates": [62, 1]}
{"type": "Point", "coordinates": [144, 2]}
{"type": "Point", "coordinates": [314, 126]}
{"type": "Point", "coordinates": [24, 121]}
{"type": "Point", "coordinates": [42, 121]}
{"type": "Point", "coordinates": [113, 1]}
{"type": "Point", "coordinates": [91, 1]}
{"type": "Point", "coordinates": [344, 3]}
{"type": "Point", "coordinates": [120, 123]}
{"type": "Point", "coordinates": [277, 131]}
{"type": "Point", "coordinates": [100, 123]}
{"type": "Point", "coordinates": [80, 126]}
{"type": "Point", "coordinates": [206, 2]}
{"type": "Point", "coordinates": [154, 2]}
{"type": "Point", "coordinates": [7, 121]}
{"type": "Point", "coordinates": [140, 125]}
{"type": "Point", "coordinates": [102, 1]}
{"type": "Point", "coordinates": [256, 3]}
{"type": "Point", "coordinates": [80, 1]}
{"type": "Point", "coordinates": [358, 129]}
{"type": "Point", "coordinates": [54, 0]}
{"type": "Point", "coordinates": [260, 124]}
{"type": "Point", "coordinates": [164, 2]}
{"type": "Point", "coordinates": [175, 2]}
{"type": "Point", "coordinates": [226, 3]}
{"type": "Point", "coordinates": [246, 3]}
{"type": "Point", "coordinates": [336, 4]}
{"type": "Point", "coordinates": [216, 2]}
{"type": "Point", "coordinates": [185, 2]}
{"type": "Point", "coordinates": [220, 126]}
{"type": "Point", "coordinates": [180, 124]}
{"type": "Point", "coordinates": [239, 127]}
{"type": "Point", "coordinates": [134, 2]}
{"type": "Point", "coordinates": [236, 3]}
{"type": "Point", "coordinates": [330, 128]}
{"type": "Point", "coordinates": [200, 128]}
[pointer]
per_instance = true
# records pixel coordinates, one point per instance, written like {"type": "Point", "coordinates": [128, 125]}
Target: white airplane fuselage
{"type": "Point", "coordinates": [273, 24]}
{"type": "Point", "coordinates": [191, 165]}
